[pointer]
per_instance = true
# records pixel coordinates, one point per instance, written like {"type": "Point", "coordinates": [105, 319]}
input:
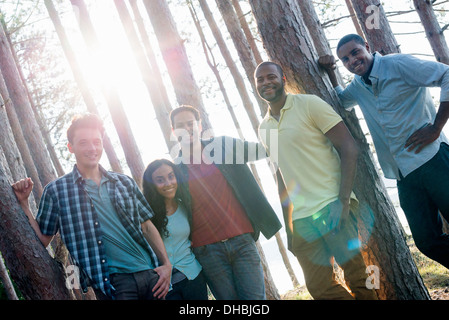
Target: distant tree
{"type": "Point", "coordinates": [175, 57]}
{"type": "Point", "coordinates": [22, 106]}
{"type": "Point", "coordinates": [433, 30]}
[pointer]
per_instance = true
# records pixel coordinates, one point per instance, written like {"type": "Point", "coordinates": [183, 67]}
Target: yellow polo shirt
{"type": "Point", "coordinates": [306, 157]}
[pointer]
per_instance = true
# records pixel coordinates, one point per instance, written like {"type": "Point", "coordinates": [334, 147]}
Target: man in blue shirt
{"type": "Point", "coordinates": [392, 92]}
{"type": "Point", "coordinates": [103, 219]}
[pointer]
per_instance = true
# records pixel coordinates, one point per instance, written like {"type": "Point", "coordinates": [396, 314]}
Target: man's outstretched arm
{"type": "Point", "coordinates": [22, 189]}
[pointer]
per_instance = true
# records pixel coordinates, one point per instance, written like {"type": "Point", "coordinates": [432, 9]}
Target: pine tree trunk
{"type": "Point", "coordinates": [281, 26]}
{"type": "Point", "coordinates": [243, 48]}
{"type": "Point", "coordinates": [354, 19]}
{"type": "Point", "coordinates": [24, 151]}
{"type": "Point", "coordinates": [433, 30]}
{"type": "Point", "coordinates": [175, 57]}
{"type": "Point", "coordinates": [44, 130]}
{"type": "Point", "coordinates": [24, 112]}
{"type": "Point", "coordinates": [36, 274]}
{"type": "Point", "coordinates": [6, 281]}
{"type": "Point", "coordinates": [248, 34]}
{"type": "Point", "coordinates": [375, 26]}
{"type": "Point", "coordinates": [237, 77]}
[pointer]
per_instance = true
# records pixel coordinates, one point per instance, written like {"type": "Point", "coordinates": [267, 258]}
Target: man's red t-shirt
{"type": "Point", "coordinates": [217, 214]}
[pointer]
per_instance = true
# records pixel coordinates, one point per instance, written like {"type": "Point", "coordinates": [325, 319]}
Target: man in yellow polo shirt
{"type": "Point", "coordinates": [316, 159]}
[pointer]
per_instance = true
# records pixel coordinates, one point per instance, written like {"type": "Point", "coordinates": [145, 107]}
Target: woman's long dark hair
{"type": "Point", "coordinates": [156, 200]}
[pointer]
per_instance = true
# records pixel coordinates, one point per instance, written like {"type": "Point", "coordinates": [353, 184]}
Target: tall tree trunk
{"type": "Point", "coordinates": [150, 54]}
{"type": "Point", "coordinates": [248, 34]}
{"type": "Point", "coordinates": [44, 130]}
{"type": "Point", "coordinates": [281, 27]}
{"type": "Point", "coordinates": [243, 48]}
{"type": "Point", "coordinates": [6, 281]}
{"type": "Point", "coordinates": [36, 274]}
{"type": "Point", "coordinates": [433, 30]}
{"type": "Point", "coordinates": [354, 19]}
{"type": "Point", "coordinates": [24, 152]}
{"type": "Point", "coordinates": [175, 57]}
{"type": "Point", "coordinates": [237, 77]}
{"type": "Point", "coordinates": [375, 26]}
{"type": "Point", "coordinates": [81, 82]}
{"type": "Point", "coordinates": [10, 149]}
{"type": "Point", "coordinates": [154, 88]}
{"type": "Point", "coordinates": [313, 25]}
{"type": "Point", "coordinates": [24, 112]}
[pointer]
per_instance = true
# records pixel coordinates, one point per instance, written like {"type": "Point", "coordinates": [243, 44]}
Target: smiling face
{"type": "Point", "coordinates": [87, 146]}
{"type": "Point", "coordinates": [165, 181]}
{"type": "Point", "coordinates": [269, 83]}
{"type": "Point", "coordinates": [355, 57]}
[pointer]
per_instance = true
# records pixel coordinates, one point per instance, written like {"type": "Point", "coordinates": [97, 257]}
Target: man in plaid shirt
{"type": "Point", "coordinates": [104, 221]}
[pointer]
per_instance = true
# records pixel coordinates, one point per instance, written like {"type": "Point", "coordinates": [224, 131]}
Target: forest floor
{"type": "Point", "coordinates": [435, 277]}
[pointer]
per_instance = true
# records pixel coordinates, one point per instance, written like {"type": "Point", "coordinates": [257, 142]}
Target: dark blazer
{"type": "Point", "coordinates": [232, 163]}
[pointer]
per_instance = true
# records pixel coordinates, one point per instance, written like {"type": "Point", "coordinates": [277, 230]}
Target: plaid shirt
{"type": "Point", "coordinates": [66, 206]}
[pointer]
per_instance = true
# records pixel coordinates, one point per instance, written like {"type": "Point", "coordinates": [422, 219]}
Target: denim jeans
{"type": "Point", "coordinates": [186, 289]}
{"type": "Point", "coordinates": [132, 286]}
{"type": "Point", "coordinates": [422, 194]}
{"type": "Point", "coordinates": [233, 269]}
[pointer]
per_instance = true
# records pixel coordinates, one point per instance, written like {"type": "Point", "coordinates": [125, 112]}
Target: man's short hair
{"type": "Point", "coordinates": [350, 37]}
{"type": "Point", "coordinates": [85, 121]}
{"type": "Point", "coordinates": [279, 68]}
{"type": "Point", "coordinates": [182, 108]}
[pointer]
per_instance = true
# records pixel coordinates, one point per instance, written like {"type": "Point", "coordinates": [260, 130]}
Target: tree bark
{"type": "Point", "coordinates": [24, 112]}
{"type": "Point", "coordinates": [6, 280]}
{"type": "Point", "coordinates": [36, 274]}
{"type": "Point", "coordinates": [81, 82]}
{"type": "Point", "coordinates": [175, 57]}
{"type": "Point", "coordinates": [237, 77]}
{"type": "Point", "coordinates": [354, 19]}
{"type": "Point", "coordinates": [248, 34]}
{"type": "Point", "coordinates": [433, 30]}
{"type": "Point", "coordinates": [281, 26]}
{"type": "Point", "coordinates": [375, 26]}
{"type": "Point", "coordinates": [43, 127]}
{"type": "Point", "coordinates": [24, 154]}
{"type": "Point", "coordinates": [243, 48]}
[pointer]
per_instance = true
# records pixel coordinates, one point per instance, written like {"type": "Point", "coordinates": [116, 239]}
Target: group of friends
{"type": "Point", "coordinates": [196, 221]}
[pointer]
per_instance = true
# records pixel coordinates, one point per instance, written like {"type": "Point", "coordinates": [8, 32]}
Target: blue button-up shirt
{"type": "Point", "coordinates": [397, 104]}
{"type": "Point", "coordinates": [66, 206]}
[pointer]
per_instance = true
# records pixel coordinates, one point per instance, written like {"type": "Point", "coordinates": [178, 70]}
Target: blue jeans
{"type": "Point", "coordinates": [186, 289]}
{"type": "Point", "coordinates": [422, 194]}
{"type": "Point", "coordinates": [233, 269]}
{"type": "Point", "coordinates": [132, 286]}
